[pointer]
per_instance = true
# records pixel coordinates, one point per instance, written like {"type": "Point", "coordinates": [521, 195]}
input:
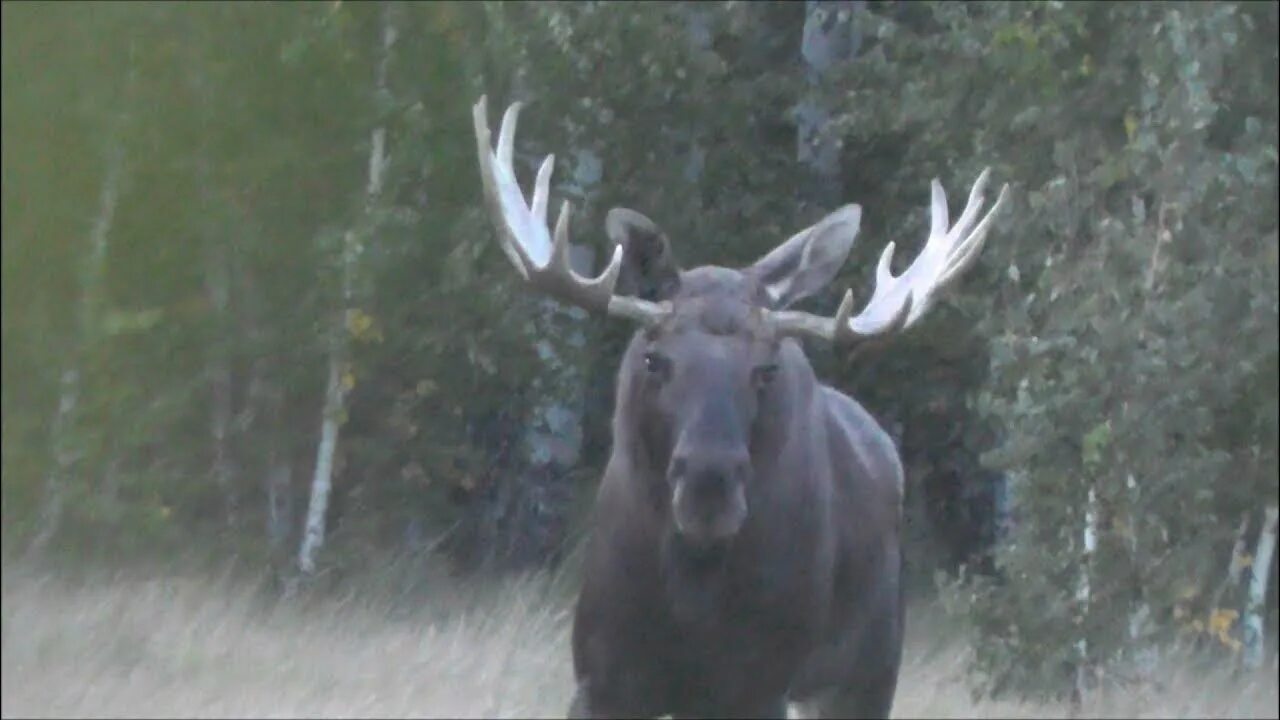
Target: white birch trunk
{"type": "Point", "coordinates": [1235, 565]}
{"type": "Point", "coordinates": [1254, 639]}
{"type": "Point", "coordinates": [63, 441]}
{"type": "Point", "coordinates": [335, 390]}
{"type": "Point", "coordinates": [1083, 592]}
{"type": "Point", "coordinates": [1144, 653]}
{"type": "Point", "coordinates": [322, 480]}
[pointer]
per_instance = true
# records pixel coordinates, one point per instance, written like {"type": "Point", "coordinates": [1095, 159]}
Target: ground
{"type": "Point", "coordinates": [167, 646]}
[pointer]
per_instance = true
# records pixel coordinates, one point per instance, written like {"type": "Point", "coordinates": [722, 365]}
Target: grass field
{"type": "Point", "coordinates": [125, 646]}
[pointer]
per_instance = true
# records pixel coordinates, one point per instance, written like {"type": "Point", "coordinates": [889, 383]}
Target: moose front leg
{"type": "Point", "coordinates": [613, 700]}
{"type": "Point", "coordinates": [770, 709]}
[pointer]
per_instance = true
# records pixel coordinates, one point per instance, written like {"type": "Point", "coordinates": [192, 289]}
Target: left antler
{"type": "Point", "coordinates": [898, 303]}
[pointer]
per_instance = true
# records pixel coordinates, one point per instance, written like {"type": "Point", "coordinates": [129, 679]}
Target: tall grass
{"type": "Point", "coordinates": [171, 646]}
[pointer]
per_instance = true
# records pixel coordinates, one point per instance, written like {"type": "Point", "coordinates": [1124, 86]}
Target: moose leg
{"type": "Point", "coordinates": [578, 709]}
{"type": "Point", "coordinates": [772, 709]}
{"type": "Point", "coordinates": [776, 708]}
{"type": "Point", "coordinates": [869, 690]}
{"type": "Point", "coordinates": [606, 700]}
{"type": "Point", "coordinates": [870, 695]}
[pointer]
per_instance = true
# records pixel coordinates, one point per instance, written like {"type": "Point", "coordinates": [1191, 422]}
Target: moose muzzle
{"type": "Point", "coordinates": [709, 501]}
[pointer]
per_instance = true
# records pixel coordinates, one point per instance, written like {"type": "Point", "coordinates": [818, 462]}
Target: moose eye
{"type": "Point", "coordinates": [765, 374]}
{"type": "Point", "coordinates": [656, 364]}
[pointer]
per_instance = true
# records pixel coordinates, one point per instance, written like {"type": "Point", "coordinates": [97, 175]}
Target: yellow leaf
{"type": "Point", "coordinates": [362, 326]}
{"type": "Point", "coordinates": [1130, 124]}
{"type": "Point", "coordinates": [1220, 621]}
{"type": "Point", "coordinates": [1246, 560]}
{"type": "Point", "coordinates": [348, 380]}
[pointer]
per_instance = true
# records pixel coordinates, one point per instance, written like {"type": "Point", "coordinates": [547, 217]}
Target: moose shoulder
{"type": "Point", "coordinates": [745, 548]}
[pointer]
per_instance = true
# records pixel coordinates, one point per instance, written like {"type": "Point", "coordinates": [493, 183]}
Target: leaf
{"type": "Point", "coordinates": [1094, 442]}
{"type": "Point", "coordinates": [120, 322]}
{"type": "Point", "coordinates": [363, 327]}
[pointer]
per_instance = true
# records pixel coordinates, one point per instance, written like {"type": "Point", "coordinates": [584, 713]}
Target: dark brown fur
{"type": "Point", "coordinates": [797, 600]}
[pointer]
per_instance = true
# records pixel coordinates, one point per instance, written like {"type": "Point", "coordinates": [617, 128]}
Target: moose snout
{"type": "Point", "coordinates": [709, 492]}
{"type": "Point", "coordinates": [709, 473]}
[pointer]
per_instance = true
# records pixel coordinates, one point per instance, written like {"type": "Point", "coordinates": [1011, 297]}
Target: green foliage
{"type": "Point", "coordinates": [1118, 335]}
{"type": "Point", "coordinates": [1138, 300]}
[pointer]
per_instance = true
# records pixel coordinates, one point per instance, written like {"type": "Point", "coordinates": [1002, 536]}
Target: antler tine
{"type": "Point", "coordinates": [507, 135]}
{"type": "Point", "coordinates": [542, 189]}
{"type": "Point", "coordinates": [897, 303]}
{"type": "Point", "coordinates": [540, 258]}
{"type": "Point", "coordinates": [514, 251]}
{"type": "Point", "coordinates": [967, 252]}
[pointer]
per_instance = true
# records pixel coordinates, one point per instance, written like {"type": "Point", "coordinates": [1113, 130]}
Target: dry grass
{"type": "Point", "coordinates": [176, 647]}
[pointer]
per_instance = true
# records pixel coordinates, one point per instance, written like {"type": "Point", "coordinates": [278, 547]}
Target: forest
{"type": "Point", "coordinates": [256, 321]}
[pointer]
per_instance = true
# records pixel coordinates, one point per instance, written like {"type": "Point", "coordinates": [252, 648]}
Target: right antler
{"type": "Point", "coordinates": [899, 302]}
{"type": "Point", "coordinates": [522, 229]}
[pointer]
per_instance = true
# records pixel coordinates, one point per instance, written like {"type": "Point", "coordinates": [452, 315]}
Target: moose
{"type": "Point", "coordinates": [745, 547]}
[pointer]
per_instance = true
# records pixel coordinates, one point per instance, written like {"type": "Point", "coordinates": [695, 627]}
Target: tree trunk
{"type": "Point", "coordinates": [63, 432]}
{"type": "Point", "coordinates": [831, 36]}
{"type": "Point", "coordinates": [1254, 638]}
{"type": "Point", "coordinates": [217, 282]}
{"type": "Point", "coordinates": [520, 519]}
{"type": "Point", "coordinates": [527, 519]}
{"type": "Point", "coordinates": [1144, 653]}
{"type": "Point", "coordinates": [263, 412]}
{"type": "Point", "coordinates": [259, 426]}
{"type": "Point", "coordinates": [1083, 593]}
{"type": "Point", "coordinates": [336, 385]}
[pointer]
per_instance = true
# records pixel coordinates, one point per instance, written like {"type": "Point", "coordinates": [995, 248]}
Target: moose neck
{"type": "Point", "coordinates": [694, 577]}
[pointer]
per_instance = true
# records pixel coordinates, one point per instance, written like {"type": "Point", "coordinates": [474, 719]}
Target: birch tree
{"type": "Point", "coordinates": [64, 429]}
{"type": "Point", "coordinates": [1254, 637]}
{"type": "Point", "coordinates": [340, 378]}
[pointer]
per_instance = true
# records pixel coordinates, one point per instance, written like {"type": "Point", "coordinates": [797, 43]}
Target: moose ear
{"type": "Point", "coordinates": [649, 271]}
{"type": "Point", "coordinates": [806, 262]}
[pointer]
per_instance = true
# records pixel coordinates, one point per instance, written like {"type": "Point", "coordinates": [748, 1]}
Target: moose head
{"type": "Point", "coordinates": [713, 376]}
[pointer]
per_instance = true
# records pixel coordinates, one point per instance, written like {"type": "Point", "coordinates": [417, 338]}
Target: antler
{"type": "Point", "coordinates": [897, 303]}
{"type": "Point", "coordinates": [522, 229]}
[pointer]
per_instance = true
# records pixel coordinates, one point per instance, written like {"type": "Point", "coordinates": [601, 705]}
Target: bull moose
{"type": "Point", "coordinates": [745, 549]}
